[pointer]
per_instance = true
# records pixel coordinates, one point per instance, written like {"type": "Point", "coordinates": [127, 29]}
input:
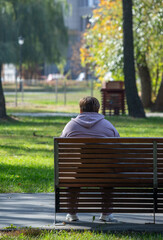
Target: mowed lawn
{"type": "Point", "coordinates": [37, 99]}
{"type": "Point", "coordinates": [36, 234]}
{"type": "Point", "coordinates": [26, 148]}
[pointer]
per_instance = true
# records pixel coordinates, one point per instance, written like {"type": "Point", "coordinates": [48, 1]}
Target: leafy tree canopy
{"type": "Point", "coordinates": [40, 23]}
{"type": "Point", "coordinates": [8, 43]}
{"type": "Point", "coordinates": [104, 40]}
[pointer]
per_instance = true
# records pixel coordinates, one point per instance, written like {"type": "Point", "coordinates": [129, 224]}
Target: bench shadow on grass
{"type": "Point", "coordinates": [35, 120]}
{"type": "Point", "coordinates": [26, 122]}
{"type": "Point", "coordinates": [26, 150]}
{"type": "Point", "coordinates": [26, 179]}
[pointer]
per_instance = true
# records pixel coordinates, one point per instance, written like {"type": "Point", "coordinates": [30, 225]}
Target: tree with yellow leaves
{"type": "Point", "coordinates": [103, 34]}
{"type": "Point", "coordinates": [103, 48]}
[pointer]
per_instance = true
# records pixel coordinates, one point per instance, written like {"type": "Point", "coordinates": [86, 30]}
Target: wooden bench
{"type": "Point", "coordinates": [97, 174]}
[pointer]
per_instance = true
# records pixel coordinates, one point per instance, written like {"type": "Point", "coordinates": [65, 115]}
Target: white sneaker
{"type": "Point", "coordinates": [107, 218]}
{"type": "Point", "coordinates": [72, 217]}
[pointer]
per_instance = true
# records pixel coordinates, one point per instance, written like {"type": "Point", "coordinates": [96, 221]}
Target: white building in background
{"type": "Point", "coordinates": [8, 73]}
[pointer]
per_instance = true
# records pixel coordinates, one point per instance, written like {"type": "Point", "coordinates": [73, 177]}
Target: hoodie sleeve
{"type": "Point", "coordinates": [64, 134]}
{"type": "Point", "coordinates": [116, 133]}
{"type": "Point", "coordinates": [68, 129]}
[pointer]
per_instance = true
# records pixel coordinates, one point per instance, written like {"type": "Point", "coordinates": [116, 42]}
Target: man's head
{"type": "Point", "coordinates": [89, 104]}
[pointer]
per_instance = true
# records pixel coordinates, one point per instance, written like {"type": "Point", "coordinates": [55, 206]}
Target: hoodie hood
{"type": "Point", "coordinates": [88, 119]}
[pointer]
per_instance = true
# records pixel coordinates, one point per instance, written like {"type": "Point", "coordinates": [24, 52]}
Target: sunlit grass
{"type": "Point", "coordinates": [46, 100]}
{"type": "Point", "coordinates": [26, 156]}
{"type": "Point", "coordinates": [76, 235]}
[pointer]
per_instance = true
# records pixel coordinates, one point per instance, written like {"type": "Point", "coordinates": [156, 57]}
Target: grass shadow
{"type": "Point", "coordinates": [26, 179]}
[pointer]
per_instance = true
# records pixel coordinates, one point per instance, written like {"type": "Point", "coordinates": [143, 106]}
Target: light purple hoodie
{"type": "Point", "coordinates": [89, 124]}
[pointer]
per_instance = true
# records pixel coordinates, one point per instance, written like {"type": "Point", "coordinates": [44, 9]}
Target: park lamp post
{"type": "Point", "coordinates": [20, 42]}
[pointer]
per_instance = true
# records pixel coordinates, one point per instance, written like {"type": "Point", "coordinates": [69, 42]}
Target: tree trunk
{"type": "Point", "coordinates": [135, 106]}
{"type": "Point", "coordinates": [146, 90]}
{"type": "Point", "coordinates": [158, 105]}
{"type": "Point", "coordinates": [2, 99]}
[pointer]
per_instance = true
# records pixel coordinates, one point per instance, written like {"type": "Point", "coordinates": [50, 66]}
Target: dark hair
{"type": "Point", "coordinates": [89, 104]}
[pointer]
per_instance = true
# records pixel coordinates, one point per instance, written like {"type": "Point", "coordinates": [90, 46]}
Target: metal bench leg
{"type": "Point", "coordinates": [155, 180]}
{"type": "Point", "coordinates": [55, 218]}
{"type": "Point", "coordinates": [154, 218]}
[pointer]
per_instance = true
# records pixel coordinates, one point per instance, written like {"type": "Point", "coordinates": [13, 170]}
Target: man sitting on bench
{"type": "Point", "coordinates": [89, 123]}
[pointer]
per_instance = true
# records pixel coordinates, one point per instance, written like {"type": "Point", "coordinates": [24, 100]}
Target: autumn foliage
{"type": "Point", "coordinates": [104, 32]}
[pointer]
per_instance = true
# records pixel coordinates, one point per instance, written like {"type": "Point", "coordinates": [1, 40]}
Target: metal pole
{"type": "Point", "coordinates": [56, 91]}
{"type": "Point", "coordinates": [65, 92]}
{"type": "Point", "coordinates": [21, 42]}
{"type": "Point", "coordinates": [20, 73]}
{"type": "Point", "coordinates": [91, 87]}
{"type": "Point", "coordinates": [16, 90]}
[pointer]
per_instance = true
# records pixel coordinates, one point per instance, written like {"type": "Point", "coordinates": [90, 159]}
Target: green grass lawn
{"type": "Point", "coordinates": [46, 102]}
{"type": "Point", "coordinates": [26, 158]}
{"type": "Point", "coordinates": [43, 98]}
{"type": "Point", "coordinates": [63, 235]}
{"type": "Point", "coordinates": [26, 143]}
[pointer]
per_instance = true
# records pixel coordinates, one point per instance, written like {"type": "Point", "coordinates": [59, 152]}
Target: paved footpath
{"type": "Point", "coordinates": [37, 211]}
{"type": "Point", "coordinates": [68, 114]}
{"type": "Point", "coordinates": [44, 114]}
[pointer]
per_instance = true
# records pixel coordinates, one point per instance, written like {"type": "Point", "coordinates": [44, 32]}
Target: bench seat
{"type": "Point", "coordinates": [124, 175]}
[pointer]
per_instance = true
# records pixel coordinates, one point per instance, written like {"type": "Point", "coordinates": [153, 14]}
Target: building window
{"type": "Point", "coordinates": [83, 3]}
{"type": "Point", "coordinates": [95, 3]}
{"type": "Point", "coordinates": [88, 3]}
{"type": "Point", "coordinates": [83, 23]}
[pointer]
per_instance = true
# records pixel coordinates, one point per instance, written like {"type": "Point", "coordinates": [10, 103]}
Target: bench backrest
{"type": "Point", "coordinates": [127, 172]}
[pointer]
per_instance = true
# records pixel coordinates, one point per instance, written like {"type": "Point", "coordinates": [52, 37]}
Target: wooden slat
{"type": "Point", "coordinates": [123, 166]}
{"type": "Point", "coordinates": [105, 180]}
{"type": "Point", "coordinates": [107, 160]}
{"type": "Point", "coordinates": [78, 146]}
{"type": "Point", "coordinates": [95, 210]}
{"type": "Point", "coordinates": [115, 193]}
{"type": "Point", "coordinates": [117, 201]}
{"type": "Point", "coordinates": [117, 198]}
{"type": "Point", "coordinates": [102, 205]}
{"type": "Point", "coordinates": [107, 175]}
{"type": "Point", "coordinates": [105, 184]}
{"type": "Point", "coordinates": [103, 155]}
{"type": "Point", "coordinates": [105, 170]}
{"type": "Point", "coordinates": [106, 150]}
{"type": "Point", "coordinates": [121, 191]}
{"type": "Point", "coordinates": [107, 140]}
